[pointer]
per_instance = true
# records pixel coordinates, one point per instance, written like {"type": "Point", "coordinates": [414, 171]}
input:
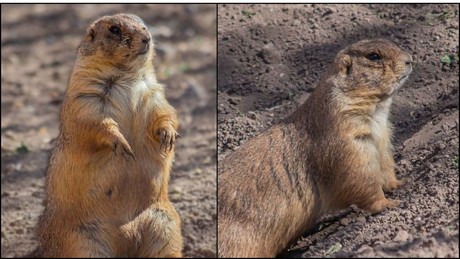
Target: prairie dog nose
{"type": "Point", "coordinates": [145, 40]}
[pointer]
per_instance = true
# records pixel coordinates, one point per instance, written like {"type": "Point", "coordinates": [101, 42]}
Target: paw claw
{"type": "Point", "coordinates": [130, 153]}
{"type": "Point", "coordinates": [393, 184]}
{"type": "Point", "coordinates": [171, 143]}
{"type": "Point", "coordinates": [121, 147]}
{"type": "Point", "coordinates": [167, 138]}
{"type": "Point", "coordinates": [380, 205]}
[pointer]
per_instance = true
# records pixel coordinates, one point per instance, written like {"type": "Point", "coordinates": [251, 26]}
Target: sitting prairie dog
{"type": "Point", "coordinates": [108, 176]}
{"type": "Point", "coordinates": [333, 151]}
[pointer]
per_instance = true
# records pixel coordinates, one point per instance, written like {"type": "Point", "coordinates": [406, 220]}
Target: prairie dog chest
{"type": "Point", "coordinates": [379, 122]}
{"type": "Point", "coordinates": [129, 100]}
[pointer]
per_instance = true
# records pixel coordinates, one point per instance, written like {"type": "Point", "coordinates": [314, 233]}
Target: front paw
{"type": "Point", "coordinates": [121, 146]}
{"type": "Point", "coordinates": [382, 204]}
{"type": "Point", "coordinates": [392, 184]}
{"type": "Point", "coordinates": [167, 137]}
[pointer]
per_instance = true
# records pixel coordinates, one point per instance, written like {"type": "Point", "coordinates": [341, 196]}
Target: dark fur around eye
{"type": "Point", "coordinates": [115, 30]}
{"type": "Point", "coordinates": [374, 57]}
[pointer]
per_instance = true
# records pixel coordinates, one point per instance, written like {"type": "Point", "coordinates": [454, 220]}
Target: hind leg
{"type": "Point", "coordinates": [84, 240]}
{"type": "Point", "coordinates": [362, 182]}
{"type": "Point", "coordinates": [387, 162]}
{"type": "Point", "coordinates": [159, 233]}
{"type": "Point", "coordinates": [367, 194]}
{"type": "Point", "coordinates": [389, 180]}
{"type": "Point", "coordinates": [377, 202]}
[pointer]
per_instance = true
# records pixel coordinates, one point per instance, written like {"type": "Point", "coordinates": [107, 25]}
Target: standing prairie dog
{"type": "Point", "coordinates": [333, 151]}
{"type": "Point", "coordinates": [108, 176]}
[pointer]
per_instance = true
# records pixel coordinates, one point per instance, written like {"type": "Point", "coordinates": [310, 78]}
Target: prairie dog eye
{"type": "Point", "coordinates": [374, 57]}
{"type": "Point", "coordinates": [115, 30]}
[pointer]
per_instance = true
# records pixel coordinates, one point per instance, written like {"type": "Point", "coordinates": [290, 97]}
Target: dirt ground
{"type": "Point", "coordinates": [271, 56]}
{"type": "Point", "coordinates": [38, 51]}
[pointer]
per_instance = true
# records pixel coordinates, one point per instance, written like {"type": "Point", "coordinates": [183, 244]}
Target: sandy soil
{"type": "Point", "coordinates": [271, 56]}
{"type": "Point", "coordinates": [38, 51]}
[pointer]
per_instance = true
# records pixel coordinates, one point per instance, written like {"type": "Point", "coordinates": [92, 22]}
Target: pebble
{"type": "Point", "coordinates": [361, 219]}
{"type": "Point", "coordinates": [364, 249]}
{"type": "Point", "coordinates": [445, 127]}
{"type": "Point", "coordinates": [175, 197]}
{"type": "Point", "coordinates": [231, 101]}
{"type": "Point", "coordinates": [377, 237]}
{"type": "Point", "coordinates": [177, 189]}
{"type": "Point", "coordinates": [439, 253]}
{"type": "Point", "coordinates": [401, 236]}
{"type": "Point", "coordinates": [344, 221]}
{"type": "Point", "coordinates": [252, 115]}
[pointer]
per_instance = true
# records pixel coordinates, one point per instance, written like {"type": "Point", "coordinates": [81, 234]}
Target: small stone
{"type": "Point", "coordinates": [439, 253]}
{"type": "Point", "coordinates": [328, 12]}
{"type": "Point", "coordinates": [378, 237]}
{"type": "Point", "coordinates": [177, 189]}
{"type": "Point", "coordinates": [344, 221]}
{"type": "Point", "coordinates": [231, 101]}
{"type": "Point", "coordinates": [401, 236]}
{"type": "Point", "coordinates": [361, 219]}
{"type": "Point", "coordinates": [433, 192]}
{"type": "Point", "coordinates": [445, 127]}
{"type": "Point", "coordinates": [175, 197]}
{"type": "Point", "coordinates": [252, 115]}
{"type": "Point", "coordinates": [441, 146]}
{"type": "Point", "coordinates": [364, 249]}
{"type": "Point", "coordinates": [422, 229]}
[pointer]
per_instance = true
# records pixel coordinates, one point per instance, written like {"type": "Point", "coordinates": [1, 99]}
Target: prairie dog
{"type": "Point", "coordinates": [333, 151]}
{"type": "Point", "coordinates": [107, 181]}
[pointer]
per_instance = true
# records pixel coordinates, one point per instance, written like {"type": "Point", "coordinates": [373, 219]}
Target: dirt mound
{"type": "Point", "coordinates": [271, 56]}
{"type": "Point", "coordinates": [38, 51]}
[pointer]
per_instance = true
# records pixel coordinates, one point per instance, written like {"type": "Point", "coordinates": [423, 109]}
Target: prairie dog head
{"type": "Point", "coordinates": [372, 68]}
{"type": "Point", "coordinates": [122, 40]}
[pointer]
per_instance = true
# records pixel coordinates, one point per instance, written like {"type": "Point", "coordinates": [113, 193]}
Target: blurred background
{"type": "Point", "coordinates": [39, 45]}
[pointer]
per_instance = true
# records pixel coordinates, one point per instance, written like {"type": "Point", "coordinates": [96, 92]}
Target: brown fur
{"type": "Point", "coordinates": [332, 152]}
{"type": "Point", "coordinates": [108, 176]}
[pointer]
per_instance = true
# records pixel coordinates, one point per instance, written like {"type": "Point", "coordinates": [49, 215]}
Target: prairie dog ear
{"type": "Point", "coordinates": [345, 65]}
{"type": "Point", "coordinates": [86, 47]}
{"type": "Point", "coordinates": [90, 34]}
